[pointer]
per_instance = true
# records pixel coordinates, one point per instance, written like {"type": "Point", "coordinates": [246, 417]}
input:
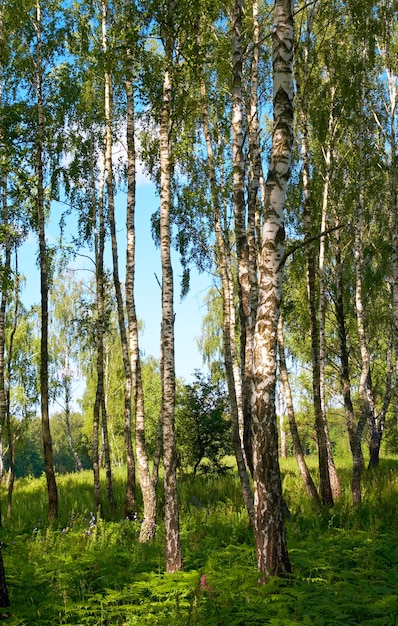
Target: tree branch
{"type": "Point", "coordinates": [302, 244]}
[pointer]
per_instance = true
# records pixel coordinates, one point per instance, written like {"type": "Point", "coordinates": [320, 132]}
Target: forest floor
{"type": "Point", "coordinates": [89, 571]}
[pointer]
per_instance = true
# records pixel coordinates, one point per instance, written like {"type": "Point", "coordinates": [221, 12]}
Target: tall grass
{"type": "Point", "coordinates": [89, 571]}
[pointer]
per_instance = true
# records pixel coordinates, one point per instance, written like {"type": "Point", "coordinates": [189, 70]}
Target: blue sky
{"type": "Point", "coordinates": [188, 313]}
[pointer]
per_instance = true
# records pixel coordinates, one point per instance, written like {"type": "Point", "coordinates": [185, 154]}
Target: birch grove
{"type": "Point", "coordinates": [268, 132]}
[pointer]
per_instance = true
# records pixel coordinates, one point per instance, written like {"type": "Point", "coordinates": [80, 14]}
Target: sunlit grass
{"type": "Point", "coordinates": [83, 570]}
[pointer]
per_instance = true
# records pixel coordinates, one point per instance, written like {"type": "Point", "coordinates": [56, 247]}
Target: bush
{"type": "Point", "coordinates": [203, 425]}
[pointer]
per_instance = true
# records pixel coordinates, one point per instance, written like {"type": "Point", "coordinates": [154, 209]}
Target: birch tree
{"type": "Point", "coordinates": [228, 312]}
{"type": "Point", "coordinates": [130, 269]}
{"type": "Point", "coordinates": [171, 513]}
{"type": "Point", "coordinates": [387, 44]}
{"type": "Point", "coordinates": [5, 264]}
{"type": "Point", "coordinates": [271, 549]}
{"type": "Point", "coordinates": [99, 242]}
{"type": "Point", "coordinates": [4, 598]}
{"type": "Point", "coordinates": [287, 393]}
{"type": "Point", "coordinates": [11, 435]}
{"type": "Point", "coordinates": [242, 249]}
{"type": "Point", "coordinates": [370, 413]}
{"type": "Point", "coordinates": [43, 256]}
{"type": "Point", "coordinates": [324, 454]}
{"type": "Point", "coordinates": [148, 487]}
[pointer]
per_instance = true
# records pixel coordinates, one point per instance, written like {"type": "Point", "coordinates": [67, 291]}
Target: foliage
{"type": "Point", "coordinates": [24, 366]}
{"type": "Point", "coordinates": [356, 132]}
{"type": "Point", "coordinates": [29, 448]}
{"type": "Point", "coordinates": [210, 341]}
{"type": "Point", "coordinates": [391, 439]}
{"type": "Point", "coordinates": [29, 451]}
{"type": "Point", "coordinates": [202, 426]}
{"type": "Point", "coordinates": [64, 461]}
{"type": "Point", "coordinates": [152, 398]}
{"type": "Point", "coordinates": [93, 572]}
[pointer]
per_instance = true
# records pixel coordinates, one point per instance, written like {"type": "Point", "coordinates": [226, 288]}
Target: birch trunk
{"type": "Point", "coordinates": [130, 264]}
{"type": "Point", "coordinates": [228, 325]}
{"type": "Point", "coordinates": [334, 479]}
{"type": "Point", "coordinates": [271, 549]}
{"type": "Point", "coordinates": [99, 235]}
{"type": "Point", "coordinates": [5, 275]}
{"type": "Point", "coordinates": [44, 391]}
{"type": "Point", "coordinates": [320, 418]}
{"type": "Point", "coordinates": [171, 512]}
{"type": "Point", "coordinates": [282, 431]}
{"type": "Point", "coordinates": [378, 421]}
{"type": "Point", "coordinates": [364, 391]}
{"type": "Point", "coordinates": [130, 302]}
{"type": "Point", "coordinates": [5, 369]}
{"type": "Point", "coordinates": [147, 486]}
{"type": "Point", "coordinates": [5, 398]}
{"type": "Point", "coordinates": [254, 159]}
{"type": "Point", "coordinates": [393, 180]}
{"type": "Point", "coordinates": [355, 432]}
{"type": "Point", "coordinates": [365, 385]}
{"type": "Point", "coordinates": [394, 246]}
{"type": "Point", "coordinates": [242, 247]}
{"type": "Point", "coordinates": [10, 434]}
{"type": "Point", "coordinates": [254, 199]}
{"type": "Point", "coordinates": [253, 220]}
{"type": "Point", "coordinates": [298, 449]}
{"type": "Point", "coordinates": [130, 487]}
{"type": "Point", "coordinates": [107, 456]}
{"type": "Point", "coordinates": [6, 261]}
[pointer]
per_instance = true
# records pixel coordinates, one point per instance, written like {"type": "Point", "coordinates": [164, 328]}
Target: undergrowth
{"type": "Point", "coordinates": [87, 571]}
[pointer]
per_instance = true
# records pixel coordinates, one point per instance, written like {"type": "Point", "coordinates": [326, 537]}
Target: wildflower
{"type": "Point", "coordinates": [204, 586]}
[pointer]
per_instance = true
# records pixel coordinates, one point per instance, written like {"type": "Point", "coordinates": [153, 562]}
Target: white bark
{"type": "Point", "coordinates": [229, 322]}
{"type": "Point", "coordinates": [171, 512]}
{"type": "Point", "coordinates": [272, 556]}
{"type": "Point", "coordinates": [44, 390]}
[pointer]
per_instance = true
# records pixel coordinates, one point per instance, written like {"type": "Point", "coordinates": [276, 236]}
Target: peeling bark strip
{"type": "Point", "coordinates": [272, 555]}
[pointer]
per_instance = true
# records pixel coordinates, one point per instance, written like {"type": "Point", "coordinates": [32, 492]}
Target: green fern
{"type": "Point", "coordinates": [95, 573]}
